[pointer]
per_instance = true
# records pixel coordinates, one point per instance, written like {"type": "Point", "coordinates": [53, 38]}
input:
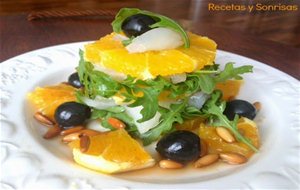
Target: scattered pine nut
{"type": "Point", "coordinates": [225, 134]}
{"type": "Point", "coordinates": [52, 132]}
{"type": "Point", "coordinates": [44, 120]}
{"type": "Point", "coordinates": [90, 132]}
{"type": "Point", "coordinates": [71, 137]}
{"type": "Point", "coordinates": [233, 158]}
{"type": "Point", "coordinates": [116, 123]}
{"type": "Point", "coordinates": [84, 143]}
{"type": "Point", "coordinates": [76, 135]}
{"type": "Point", "coordinates": [170, 164]}
{"type": "Point", "coordinates": [71, 130]}
{"type": "Point", "coordinates": [206, 160]}
{"type": "Point", "coordinates": [257, 106]}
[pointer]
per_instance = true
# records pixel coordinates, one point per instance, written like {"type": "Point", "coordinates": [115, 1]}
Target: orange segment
{"type": "Point", "coordinates": [217, 145]}
{"type": "Point", "coordinates": [112, 152]}
{"type": "Point", "coordinates": [230, 88]}
{"type": "Point", "coordinates": [120, 61]}
{"type": "Point", "coordinates": [106, 43]}
{"type": "Point", "coordinates": [202, 50]}
{"type": "Point", "coordinates": [169, 62]}
{"type": "Point", "coordinates": [48, 98]}
{"type": "Point", "coordinates": [110, 53]}
{"type": "Point", "coordinates": [190, 125]}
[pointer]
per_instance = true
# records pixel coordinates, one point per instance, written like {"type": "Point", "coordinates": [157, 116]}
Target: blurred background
{"type": "Point", "coordinates": [275, 25]}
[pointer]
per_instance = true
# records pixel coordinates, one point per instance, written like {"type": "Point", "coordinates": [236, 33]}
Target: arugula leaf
{"type": "Point", "coordinates": [95, 82]}
{"type": "Point", "coordinates": [150, 89]}
{"type": "Point", "coordinates": [121, 16]}
{"type": "Point", "coordinates": [98, 114]}
{"type": "Point", "coordinates": [230, 72]}
{"type": "Point", "coordinates": [191, 112]}
{"type": "Point", "coordinates": [149, 102]}
{"type": "Point", "coordinates": [162, 21]}
{"type": "Point", "coordinates": [167, 119]}
{"type": "Point", "coordinates": [214, 107]}
{"type": "Point", "coordinates": [118, 113]}
{"type": "Point", "coordinates": [205, 80]}
{"type": "Point", "coordinates": [116, 109]}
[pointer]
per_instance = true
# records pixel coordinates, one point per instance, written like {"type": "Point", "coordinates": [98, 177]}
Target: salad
{"type": "Point", "coordinates": [150, 82]}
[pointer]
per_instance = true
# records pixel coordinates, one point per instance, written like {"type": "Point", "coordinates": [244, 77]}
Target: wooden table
{"type": "Point", "coordinates": [18, 35]}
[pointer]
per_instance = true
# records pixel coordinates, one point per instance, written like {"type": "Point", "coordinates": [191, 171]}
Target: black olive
{"type": "Point", "coordinates": [180, 146]}
{"type": "Point", "coordinates": [74, 80]}
{"type": "Point", "coordinates": [71, 114]}
{"type": "Point", "coordinates": [136, 25]}
{"type": "Point", "coordinates": [241, 108]}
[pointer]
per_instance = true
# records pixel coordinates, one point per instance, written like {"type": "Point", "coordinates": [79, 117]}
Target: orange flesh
{"type": "Point", "coordinates": [110, 53]}
{"type": "Point", "coordinates": [216, 144]}
{"type": "Point", "coordinates": [230, 88]}
{"type": "Point", "coordinates": [115, 146]}
{"type": "Point", "coordinates": [47, 99]}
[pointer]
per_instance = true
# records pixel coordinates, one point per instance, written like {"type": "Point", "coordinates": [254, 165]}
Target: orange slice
{"type": "Point", "coordinates": [216, 144]}
{"type": "Point", "coordinates": [112, 152]}
{"type": "Point", "coordinates": [230, 88]}
{"type": "Point", "coordinates": [110, 53]}
{"type": "Point", "coordinates": [48, 98]}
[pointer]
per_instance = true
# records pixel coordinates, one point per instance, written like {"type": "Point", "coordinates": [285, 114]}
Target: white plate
{"type": "Point", "coordinates": [29, 161]}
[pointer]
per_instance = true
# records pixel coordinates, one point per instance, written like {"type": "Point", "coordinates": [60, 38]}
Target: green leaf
{"type": "Point", "coordinates": [121, 16]}
{"type": "Point", "coordinates": [115, 112]}
{"type": "Point", "coordinates": [230, 72]}
{"type": "Point", "coordinates": [191, 112]}
{"type": "Point", "coordinates": [168, 118]}
{"type": "Point", "coordinates": [206, 83]}
{"type": "Point", "coordinates": [95, 82]}
{"type": "Point", "coordinates": [96, 114]}
{"type": "Point", "coordinates": [149, 102]}
{"type": "Point", "coordinates": [116, 109]}
{"type": "Point", "coordinates": [215, 107]}
{"type": "Point", "coordinates": [103, 84]}
{"type": "Point", "coordinates": [162, 21]}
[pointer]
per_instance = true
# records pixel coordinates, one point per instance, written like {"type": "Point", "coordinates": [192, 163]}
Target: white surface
{"type": "Point", "coordinates": [30, 162]}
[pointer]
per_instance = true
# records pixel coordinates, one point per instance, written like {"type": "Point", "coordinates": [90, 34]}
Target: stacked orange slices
{"type": "Point", "coordinates": [110, 53]}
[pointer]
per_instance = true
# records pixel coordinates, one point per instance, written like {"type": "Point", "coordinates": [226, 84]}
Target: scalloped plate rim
{"type": "Point", "coordinates": [125, 183]}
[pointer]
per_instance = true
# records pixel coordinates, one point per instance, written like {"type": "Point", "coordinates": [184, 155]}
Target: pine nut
{"type": "Point", "coordinates": [71, 130]}
{"type": "Point", "coordinates": [76, 136]}
{"type": "Point", "coordinates": [206, 160]}
{"type": "Point", "coordinates": [116, 123]}
{"type": "Point", "coordinates": [203, 150]}
{"type": "Point", "coordinates": [52, 132]}
{"type": "Point", "coordinates": [233, 158]}
{"type": "Point", "coordinates": [90, 132]}
{"type": "Point", "coordinates": [169, 164]}
{"type": "Point", "coordinates": [84, 143]}
{"type": "Point", "coordinates": [44, 120]}
{"type": "Point", "coordinates": [225, 134]}
{"type": "Point", "coordinates": [257, 106]}
{"type": "Point", "coordinates": [71, 137]}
